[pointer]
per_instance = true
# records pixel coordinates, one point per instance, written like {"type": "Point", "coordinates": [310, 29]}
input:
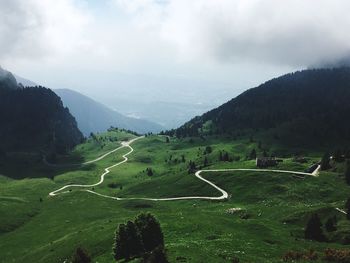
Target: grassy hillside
{"type": "Point", "coordinates": [275, 207]}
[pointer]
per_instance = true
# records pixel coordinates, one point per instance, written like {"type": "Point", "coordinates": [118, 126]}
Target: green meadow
{"type": "Point", "coordinates": [274, 208]}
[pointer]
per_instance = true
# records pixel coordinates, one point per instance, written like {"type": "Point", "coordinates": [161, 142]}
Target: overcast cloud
{"type": "Point", "coordinates": [239, 43]}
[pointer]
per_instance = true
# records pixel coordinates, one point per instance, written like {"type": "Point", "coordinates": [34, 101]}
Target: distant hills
{"type": "Point", "coordinates": [305, 107]}
{"type": "Point", "coordinates": [33, 119]}
{"type": "Point", "coordinates": [93, 116]}
{"type": "Point", "coordinates": [7, 80]}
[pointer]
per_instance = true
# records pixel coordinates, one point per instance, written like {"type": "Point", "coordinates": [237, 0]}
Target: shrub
{"type": "Point", "coordinates": [81, 256]}
{"type": "Point", "coordinates": [337, 255]}
{"type": "Point", "coordinates": [310, 255]}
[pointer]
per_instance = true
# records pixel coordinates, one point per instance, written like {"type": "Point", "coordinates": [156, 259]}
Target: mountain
{"type": "Point", "coordinates": [34, 119]}
{"type": "Point", "coordinates": [7, 80]}
{"type": "Point", "coordinates": [93, 116]}
{"type": "Point", "coordinates": [310, 106]}
{"type": "Point", "coordinates": [25, 82]}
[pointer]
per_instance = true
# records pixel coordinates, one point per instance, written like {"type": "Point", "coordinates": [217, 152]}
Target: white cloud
{"type": "Point", "coordinates": [289, 32]}
{"type": "Point", "coordinates": [36, 28]}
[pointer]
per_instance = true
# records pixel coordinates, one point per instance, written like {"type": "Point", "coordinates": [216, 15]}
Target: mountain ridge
{"type": "Point", "coordinates": [307, 106]}
{"type": "Point", "coordinates": [93, 116]}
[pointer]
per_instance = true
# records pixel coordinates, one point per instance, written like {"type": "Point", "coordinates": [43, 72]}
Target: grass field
{"type": "Point", "coordinates": [275, 207]}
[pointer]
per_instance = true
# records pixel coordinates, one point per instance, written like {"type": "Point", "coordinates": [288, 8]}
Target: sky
{"type": "Point", "coordinates": [160, 50]}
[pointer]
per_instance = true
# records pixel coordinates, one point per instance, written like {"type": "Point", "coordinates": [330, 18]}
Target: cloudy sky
{"type": "Point", "coordinates": [226, 45]}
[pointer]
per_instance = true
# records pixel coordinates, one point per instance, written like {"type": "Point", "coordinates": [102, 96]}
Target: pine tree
{"type": "Point", "coordinates": [225, 157]}
{"type": "Point", "coordinates": [313, 230]}
{"type": "Point", "coordinates": [208, 150]}
{"type": "Point", "coordinates": [325, 161]}
{"type": "Point", "coordinates": [338, 156]}
{"type": "Point", "coordinates": [120, 248]}
{"type": "Point", "coordinates": [135, 244]}
{"type": "Point", "coordinates": [205, 162]}
{"type": "Point", "coordinates": [220, 156]}
{"type": "Point", "coordinates": [191, 167]}
{"type": "Point", "coordinates": [81, 256]}
{"type": "Point", "coordinates": [347, 172]}
{"type": "Point", "coordinates": [330, 224]}
{"type": "Point", "coordinates": [347, 209]}
{"type": "Point", "coordinates": [150, 231]}
{"type": "Point", "coordinates": [252, 155]}
{"type": "Point", "coordinates": [149, 171]}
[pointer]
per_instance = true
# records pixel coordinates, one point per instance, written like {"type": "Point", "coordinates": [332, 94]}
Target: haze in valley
{"type": "Point", "coordinates": [168, 60]}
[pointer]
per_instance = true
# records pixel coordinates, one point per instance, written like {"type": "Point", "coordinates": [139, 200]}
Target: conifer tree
{"type": "Point", "coordinates": [313, 230]}
{"type": "Point", "coordinates": [347, 172]}
{"type": "Point", "coordinates": [81, 256]}
{"type": "Point", "coordinates": [150, 231]}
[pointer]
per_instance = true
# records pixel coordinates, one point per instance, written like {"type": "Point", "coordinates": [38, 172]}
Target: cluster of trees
{"type": "Point", "coordinates": [338, 156]}
{"type": "Point", "coordinates": [226, 157]}
{"type": "Point", "coordinates": [112, 128]}
{"type": "Point", "coordinates": [293, 107]}
{"type": "Point", "coordinates": [34, 119]}
{"type": "Point", "coordinates": [192, 167]}
{"type": "Point", "coordinates": [141, 238]}
{"type": "Point", "coordinates": [314, 226]}
{"type": "Point", "coordinates": [313, 230]}
{"type": "Point", "coordinates": [176, 160]}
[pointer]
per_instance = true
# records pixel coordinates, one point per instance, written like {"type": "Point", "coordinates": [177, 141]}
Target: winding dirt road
{"type": "Point", "coordinates": [223, 196]}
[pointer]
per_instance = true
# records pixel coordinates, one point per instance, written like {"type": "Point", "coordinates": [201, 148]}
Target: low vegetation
{"type": "Point", "coordinates": [266, 216]}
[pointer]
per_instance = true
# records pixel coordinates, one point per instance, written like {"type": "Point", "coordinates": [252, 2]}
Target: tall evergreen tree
{"type": "Point", "coordinates": [205, 162]}
{"type": "Point", "coordinates": [81, 256]}
{"type": "Point", "coordinates": [325, 161]}
{"type": "Point", "coordinates": [347, 208]}
{"type": "Point", "coordinates": [331, 224]}
{"type": "Point", "coordinates": [135, 244]}
{"type": "Point", "coordinates": [313, 230]}
{"type": "Point", "coordinates": [150, 231]}
{"type": "Point", "coordinates": [120, 247]}
{"type": "Point", "coordinates": [252, 155]}
{"type": "Point", "coordinates": [347, 172]}
{"type": "Point", "coordinates": [220, 156]}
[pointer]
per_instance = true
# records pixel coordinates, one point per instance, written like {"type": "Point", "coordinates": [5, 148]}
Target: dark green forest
{"type": "Point", "coordinates": [308, 107]}
{"type": "Point", "coordinates": [33, 119]}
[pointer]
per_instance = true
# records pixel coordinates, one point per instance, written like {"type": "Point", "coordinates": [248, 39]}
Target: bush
{"type": "Point", "coordinates": [310, 255]}
{"type": "Point", "coordinates": [337, 255]}
{"type": "Point", "coordinates": [81, 256]}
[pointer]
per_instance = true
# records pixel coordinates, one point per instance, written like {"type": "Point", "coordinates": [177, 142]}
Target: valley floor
{"type": "Point", "coordinates": [274, 205]}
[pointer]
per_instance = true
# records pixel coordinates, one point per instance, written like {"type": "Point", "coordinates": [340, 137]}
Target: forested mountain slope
{"type": "Point", "coordinates": [310, 106]}
{"type": "Point", "coordinates": [33, 119]}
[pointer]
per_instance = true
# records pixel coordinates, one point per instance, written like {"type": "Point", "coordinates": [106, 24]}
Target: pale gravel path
{"type": "Point", "coordinates": [223, 196]}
